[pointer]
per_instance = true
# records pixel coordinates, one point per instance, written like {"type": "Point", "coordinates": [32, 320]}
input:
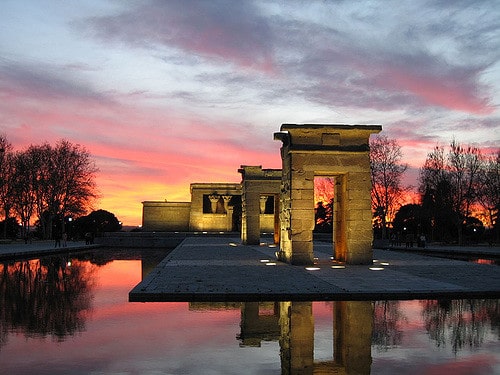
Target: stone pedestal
{"type": "Point", "coordinates": [339, 151]}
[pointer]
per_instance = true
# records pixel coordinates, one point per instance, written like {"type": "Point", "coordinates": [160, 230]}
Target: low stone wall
{"type": "Point", "coordinates": [165, 216]}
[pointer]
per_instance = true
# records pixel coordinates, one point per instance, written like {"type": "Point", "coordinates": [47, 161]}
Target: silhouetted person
{"type": "Point", "coordinates": [88, 238]}
{"type": "Point", "coordinates": [421, 240]}
{"type": "Point", "coordinates": [409, 240]}
{"type": "Point", "coordinates": [57, 237]}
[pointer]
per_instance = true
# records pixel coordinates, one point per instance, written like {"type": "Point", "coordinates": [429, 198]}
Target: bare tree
{"type": "Point", "coordinates": [6, 172]}
{"type": "Point", "coordinates": [465, 165]}
{"type": "Point", "coordinates": [38, 170]}
{"type": "Point", "coordinates": [435, 189]}
{"type": "Point", "coordinates": [449, 184]}
{"type": "Point", "coordinates": [489, 191]}
{"type": "Point", "coordinates": [52, 183]}
{"type": "Point", "coordinates": [24, 183]}
{"type": "Point", "coordinates": [386, 176]}
{"type": "Point", "coordinates": [73, 186]}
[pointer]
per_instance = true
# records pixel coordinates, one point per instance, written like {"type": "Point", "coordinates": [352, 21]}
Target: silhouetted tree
{"type": "Point", "coordinates": [97, 222]}
{"type": "Point", "coordinates": [387, 324]}
{"type": "Point", "coordinates": [386, 177]}
{"type": "Point", "coordinates": [47, 296]}
{"type": "Point", "coordinates": [410, 219]}
{"type": "Point", "coordinates": [6, 173]}
{"type": "Point", "coordinates": [473, 229]}
{"type": "Point", "coordinates": [25, 187]}
{"type": "Point", "coordinates": [324, 217]}
{"type": "Point", "coordinates": [460, 323]}
{"type": "Point", "coordinates": [450, 183]}
{"type": "Point", "coordinates": [71, 186]}
{"type": "Point", "coordinates": [9, 227]}
{"type": "Point", "coordinates": [489, 192]}
{"type": "Point", "coordinates": [52, 182]}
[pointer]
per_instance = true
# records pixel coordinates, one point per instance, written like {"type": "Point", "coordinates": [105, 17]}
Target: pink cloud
{"type": "Point", "coordinates": [142, 154]}
{"type": "Point", "coordinates": [446, 92]}
{"type": "Point", "coordinates": [227, 31]}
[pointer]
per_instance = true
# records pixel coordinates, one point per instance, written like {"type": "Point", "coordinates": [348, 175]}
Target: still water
{"type": "Point", "coordinates": [70, 315]}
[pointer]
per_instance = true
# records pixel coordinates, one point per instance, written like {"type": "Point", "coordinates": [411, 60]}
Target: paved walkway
{"type": "Point", "coordinates": [18, 249]}
{"type": "Point", "coordinates": [206, 268]}
{"type": "Point", "coordinates": [474, 251]}
{"type": "Point", "coordinates": [221, 269]}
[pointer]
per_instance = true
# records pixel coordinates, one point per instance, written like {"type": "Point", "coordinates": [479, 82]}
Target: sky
{"type": "Point", "coordinates": [166, 93]}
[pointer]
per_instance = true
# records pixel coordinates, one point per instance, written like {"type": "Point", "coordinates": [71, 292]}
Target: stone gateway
{"type": "Point", "coordinates": [281, 201]}
{"type": "Point", "coordinates": [339, 151]}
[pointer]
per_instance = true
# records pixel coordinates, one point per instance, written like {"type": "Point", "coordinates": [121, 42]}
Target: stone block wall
{"type": "Point", "coordinates": [215, 221]}
{"type": "Point", "coordinates": [165, 216]}
{"type": "Point", "coordinates": [339, 151]}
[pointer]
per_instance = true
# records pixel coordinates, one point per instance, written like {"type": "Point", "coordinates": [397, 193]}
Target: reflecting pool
{"type": "Point", "coordinates": [70, 314]}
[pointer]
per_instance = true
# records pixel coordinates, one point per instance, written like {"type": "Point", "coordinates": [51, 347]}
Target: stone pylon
{"type": "Point", "coordinates": [338, 151]}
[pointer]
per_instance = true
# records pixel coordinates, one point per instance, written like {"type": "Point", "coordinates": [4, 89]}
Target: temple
{"type": "Point", "coordinates": [281, 201]}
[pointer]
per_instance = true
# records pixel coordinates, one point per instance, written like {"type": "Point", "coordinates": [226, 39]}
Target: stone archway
{"type": "Point", "coordinates": [258, 185]}
{"type": "Point", "coordinates": [341, 151]}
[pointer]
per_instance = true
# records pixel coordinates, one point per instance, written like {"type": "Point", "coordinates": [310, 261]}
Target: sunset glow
{"type": "Point", "coordinates": [165, 93]}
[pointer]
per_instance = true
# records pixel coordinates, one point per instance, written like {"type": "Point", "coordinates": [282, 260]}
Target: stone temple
{"type": "Point", "coordinates": [281, 201]}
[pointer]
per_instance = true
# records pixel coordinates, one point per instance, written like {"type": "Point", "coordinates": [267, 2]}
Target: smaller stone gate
{"type": "Point", "coordinates": [260, 187]}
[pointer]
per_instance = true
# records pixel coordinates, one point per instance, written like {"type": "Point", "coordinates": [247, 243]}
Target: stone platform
{"type": "Point", "coordinates": [205, 268]}
{"type": "Point", "coordinates": [17, 250]}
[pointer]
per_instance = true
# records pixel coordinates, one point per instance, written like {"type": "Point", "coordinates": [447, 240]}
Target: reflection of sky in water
{"type": "Point", "coordinates": [147, 338]}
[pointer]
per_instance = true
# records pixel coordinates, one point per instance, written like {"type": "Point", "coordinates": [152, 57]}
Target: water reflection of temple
{"type": "Point", "coordinates": [292, 324]}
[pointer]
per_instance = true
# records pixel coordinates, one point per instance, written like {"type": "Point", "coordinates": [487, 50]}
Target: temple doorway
{"type": "Point", "coordinates": [341, 151]}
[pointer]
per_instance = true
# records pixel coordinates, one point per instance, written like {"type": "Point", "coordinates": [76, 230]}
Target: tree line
{"type": "Point", "coordinates": [47, 184]}
{"type": "Point", "coordinates": [454, 184]}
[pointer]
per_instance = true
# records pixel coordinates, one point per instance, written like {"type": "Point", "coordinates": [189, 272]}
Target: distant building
{"type": "Point", "coordinates": [214, 207]}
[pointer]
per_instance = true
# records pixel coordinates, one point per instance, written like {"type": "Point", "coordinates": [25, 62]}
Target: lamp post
{"type": "Point", "coordinates": [70, 231]}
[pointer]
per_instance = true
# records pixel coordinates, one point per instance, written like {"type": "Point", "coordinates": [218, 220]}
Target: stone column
{"type": "Point", "coordinates": [251, 218]}
{"type": "Point", "coordinates": [214, 199]}
{"type": "Point", "coordinates": [353, 327]}
{"type": "Point", "coordinates": [359, 216]}
{"type": "Point", "coordinates": [226, 199]}
{"type": "Point", "coordinates": [229, 213]}
{"type": "Point", "coordinates": [339, 218]}
{"type": "Point", "coordinates": [276, 236]}
{"type": "Point", "coordinates": [263, 200]}
{"type": "Point", "coordinates": [285, 208]}
{"type": "Point", "coordinates": [296, 207]}
{"type": "Point", "coordinates": [302, 214]}
{"type": "Point", "coordinates": [297, 338]}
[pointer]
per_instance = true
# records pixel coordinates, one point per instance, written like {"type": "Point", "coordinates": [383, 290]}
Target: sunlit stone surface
{"type": "Point", "coordinates": [258, 186]}
{"type": "Point", "coordinates": [339, 151]}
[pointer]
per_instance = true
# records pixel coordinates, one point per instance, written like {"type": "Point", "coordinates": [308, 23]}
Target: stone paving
{"type": "Point", "coordinates": [19, 249]}
{"type": "Point", "coordinates": [210, 268]}
{"type": "Point", "coordinates": [221, 269]}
